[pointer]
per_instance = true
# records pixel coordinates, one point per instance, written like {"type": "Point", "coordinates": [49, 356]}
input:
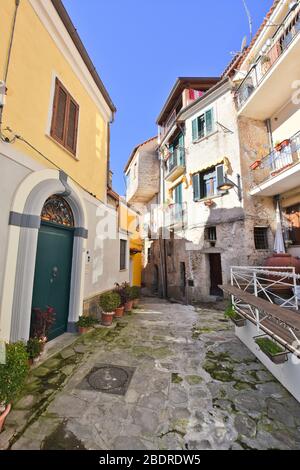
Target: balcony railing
{"type": "Point", "coordinates": [176, 159]}
{"type": "Point", "coordinates": [280, 159]}
{"type": "Point", "coordinates": [169, 123]}
{"type": "Point", "coordinates": [281, 41]}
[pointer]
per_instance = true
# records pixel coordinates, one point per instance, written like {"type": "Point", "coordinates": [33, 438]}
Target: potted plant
{"type": "Point", "coordinates": [109, 301]}
{"type": "Point", "coordinates": [42, 322]}
{"type": "Point", "coordinates": [266, 63]}
{"type": "Point", "coordinates": [34, 348]}
{"type": "Point", "coordinates": [122, 294]}
{"type": "Point", "coordinates": [127, 295]}
{"type": "Point", "coordinates": [135, 294]}
{"type": "Point", "coordinates": [275, 353]}
{"type": "Point", "coordinates": [13, 375]}
{"type": "Point", "coordinates": [237, 319]}
{"type": "Point", "coordinates": [85, 323]}
{"type": "Point", "coordinates": [277, 146]}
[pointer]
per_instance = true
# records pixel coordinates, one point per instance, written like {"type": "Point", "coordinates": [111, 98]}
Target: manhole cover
{"type": "Point", "coordinates": [108, 378]}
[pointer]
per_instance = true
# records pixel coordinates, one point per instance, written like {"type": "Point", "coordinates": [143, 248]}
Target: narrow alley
{"type": "Point", "coordinates": [191, 385]}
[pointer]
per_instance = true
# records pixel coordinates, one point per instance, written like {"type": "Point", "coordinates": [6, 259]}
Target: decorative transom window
{"type": "Point", "coordinates": [58, 211]}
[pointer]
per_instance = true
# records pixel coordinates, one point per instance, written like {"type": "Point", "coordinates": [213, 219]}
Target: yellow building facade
{"type": "Point", "coordinates": [61, 241]}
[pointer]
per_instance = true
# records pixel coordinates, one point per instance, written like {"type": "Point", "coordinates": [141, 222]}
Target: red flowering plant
{"type": "Point", "coordinates": [41, 323]}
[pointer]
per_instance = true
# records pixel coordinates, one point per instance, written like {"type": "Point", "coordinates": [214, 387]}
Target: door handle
{"type": "Point", "coordinates": [54, 273]}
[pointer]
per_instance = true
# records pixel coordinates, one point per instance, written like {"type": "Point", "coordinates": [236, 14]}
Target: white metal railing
{"type": "Point", "coordinates": [279, 43]}
{"type": "Point", "coordinates": [278, 285]}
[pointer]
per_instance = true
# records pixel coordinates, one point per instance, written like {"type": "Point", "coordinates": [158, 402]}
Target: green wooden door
{"type": "Point", "coordinates": [53, 274]}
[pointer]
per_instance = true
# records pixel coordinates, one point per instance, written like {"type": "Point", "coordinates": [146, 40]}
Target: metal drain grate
{"type": "Point", "coordinates": [108, 378]}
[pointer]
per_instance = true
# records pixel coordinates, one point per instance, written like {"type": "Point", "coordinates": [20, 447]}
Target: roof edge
{"type": "Point", "coordinates": [65, 18]}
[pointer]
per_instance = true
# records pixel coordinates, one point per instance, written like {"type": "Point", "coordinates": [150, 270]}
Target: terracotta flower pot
{"type": "Point", "coordinates": [82, 330]}
{"type": "Point", "coordinates": [285, 260]}
{"type": "Point", "coordinates": [107, 318]}
{"type": "Point", "coordinates": [128, 306]}
{"type": "Point", "coordinates": [3, 416]}
{"type": "Point", "coordinates": [136, 303]}
{"type": "Point", "coordinates": [119, 312]}
{"type": "Point", "coordinates": [255, 165]}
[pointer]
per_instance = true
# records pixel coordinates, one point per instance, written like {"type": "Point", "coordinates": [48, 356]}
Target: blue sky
{"type": "Point", "coordinates": [140, 47]}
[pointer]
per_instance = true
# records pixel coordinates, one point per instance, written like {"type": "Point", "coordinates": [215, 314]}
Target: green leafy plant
{"type": "Point", "coordinates": [109, 301]}
{"type": "Point", "coordinates": [13, 373]}
{"type": "Point", "coordinates": [34, 348]}
{"type": "Point", "coordinates": [135, 292]}
{"type": "Point", "coordinates": [268, 346]}
{"type": "Point", "coordinates": [125, 292]}
{"type": "Point", "coordinates": [231, 313]}
{"type": "Point", "coordinates": [86, 322]}
{"type": "Point", "coordinates": [119, 289]}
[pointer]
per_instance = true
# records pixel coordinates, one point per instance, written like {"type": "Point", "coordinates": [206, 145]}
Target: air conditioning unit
{"type": "Point", "coordinates": [2, 93]}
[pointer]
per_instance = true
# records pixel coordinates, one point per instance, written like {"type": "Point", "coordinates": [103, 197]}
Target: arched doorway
{"type": "Point", "coordinates": [53, 265]}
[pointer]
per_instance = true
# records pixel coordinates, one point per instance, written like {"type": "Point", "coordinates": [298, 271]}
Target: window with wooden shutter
{"type": "Point", "coordinates": [64, 125]}
{"type": "Point", "coordinates": [203, 125]}
{"type": "Point", "coordinates": [196, 187]}
{"type": "Point", "coordinates": [123, 252]}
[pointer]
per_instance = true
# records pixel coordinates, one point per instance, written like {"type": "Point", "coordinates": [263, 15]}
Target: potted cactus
{"type": "Point", "coordinates": [13, 374]}
{"type": "Point", "coordinates": [109, 301]}
{"type": "Point", "coordinates": [135, 294]}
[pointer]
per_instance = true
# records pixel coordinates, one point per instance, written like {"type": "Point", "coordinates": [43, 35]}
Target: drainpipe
{"type": "Point", "coordinates": [162, 241]}
{"type": "Point", "coordinates": [17, 3]}
{"type": "Point", "coordinates": [270, 135]}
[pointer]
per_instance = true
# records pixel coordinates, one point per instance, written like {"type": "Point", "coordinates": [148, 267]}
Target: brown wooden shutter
{"type": "Point", "coordinates": [72, 126]}
{"type": "Point", "coordinates": [65, 118]}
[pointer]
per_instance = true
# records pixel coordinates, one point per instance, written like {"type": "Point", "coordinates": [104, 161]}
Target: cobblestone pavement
{"type": "Point", "coordinates": [195, 386]}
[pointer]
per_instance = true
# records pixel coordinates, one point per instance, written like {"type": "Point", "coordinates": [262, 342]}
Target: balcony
{"type": "Point", "coordinates": [175, 164]}
{"type": "Point", "coordinates": [279, 171]}
{"type": "Point", "coordinates": [268, 84]}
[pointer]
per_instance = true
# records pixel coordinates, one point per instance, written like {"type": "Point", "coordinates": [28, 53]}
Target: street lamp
{"type": "Point", "coordinates": [228, 184]}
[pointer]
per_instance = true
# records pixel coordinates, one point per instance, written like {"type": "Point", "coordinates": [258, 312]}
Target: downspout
{"type": "Point", "coordinates": [17, 3]}
{"type": "Point", "coordinates": [162, 243]}
{"type": "Point", "coordinates": [270, 135]}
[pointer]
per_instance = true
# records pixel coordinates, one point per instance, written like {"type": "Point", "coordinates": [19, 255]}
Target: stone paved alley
{"type": "Point", "coordinates": [195, 386]}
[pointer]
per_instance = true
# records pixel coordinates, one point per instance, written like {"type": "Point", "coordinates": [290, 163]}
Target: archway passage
{"type": "Point", "coordinates": [54, 264]}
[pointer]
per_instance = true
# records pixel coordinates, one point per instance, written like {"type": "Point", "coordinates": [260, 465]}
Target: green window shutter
{"type": "Point", "coordinates": [195, 129]}
{"type": "Point", "coordinates": [201, 126]}
{"type": "Point", "coordinates": [209, 121]}
{"type": "Point", "coordinates": [220, 174]}
{"type": "Point", "coordinates": [181, 149]}
{"type": "Point", "coordinates": [196, 187]}
{"type": "Point", "coordinates": [178, 194]}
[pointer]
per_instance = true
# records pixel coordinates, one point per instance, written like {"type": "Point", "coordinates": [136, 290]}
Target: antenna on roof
{"type": "Point", "coordinates": [249, 18]}
{"type": "Point", "coordinates": [244, 44]}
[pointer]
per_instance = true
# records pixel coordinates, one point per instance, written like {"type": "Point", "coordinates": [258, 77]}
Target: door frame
{"type": "Point", "coordinates": [66, 229]}
{"type": "Point", "coordinates": [24, 224]}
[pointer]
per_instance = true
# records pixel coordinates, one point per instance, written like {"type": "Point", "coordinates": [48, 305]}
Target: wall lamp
{"type": "Point", "coordinates": [228, 184]}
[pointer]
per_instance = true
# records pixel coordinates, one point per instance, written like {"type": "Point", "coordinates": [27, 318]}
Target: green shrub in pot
{"type": "Point", "coordinates": [109, 301]}
{"type": "Point", "coordinates": [13, 375]}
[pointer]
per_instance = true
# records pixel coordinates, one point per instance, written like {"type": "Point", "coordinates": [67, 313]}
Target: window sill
{"type": "Point", "coordinates": [198, 141]}
{"type": "Point", "coordinates": [74, 156]}
{"type": "Point", "coordinates": [123, 270]}
{"type": "Point", "coordinates": [211, 197]}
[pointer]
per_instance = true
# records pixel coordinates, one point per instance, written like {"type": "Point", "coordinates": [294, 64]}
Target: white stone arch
{"type": "Point", "coordinates": [15, 313]}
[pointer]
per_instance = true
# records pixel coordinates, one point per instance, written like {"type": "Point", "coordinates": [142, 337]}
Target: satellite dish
{"type": "Point", "coordinates": [244, 43]}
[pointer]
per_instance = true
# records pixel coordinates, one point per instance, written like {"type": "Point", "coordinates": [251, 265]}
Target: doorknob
{"type": "Point", "coordinates": [54, 273]}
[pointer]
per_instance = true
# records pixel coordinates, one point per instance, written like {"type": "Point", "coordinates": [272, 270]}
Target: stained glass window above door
{"type": "Point", "coordinates": [58, 211]}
